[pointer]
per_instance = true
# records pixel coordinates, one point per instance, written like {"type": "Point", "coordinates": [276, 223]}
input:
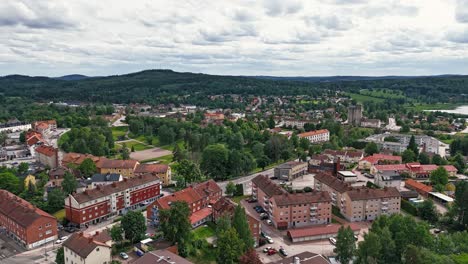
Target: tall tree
{"type": "Point", "coordinates": [87, 167]}
{"type": "Point", "coordinates": [371, 148]}
{"type": "Point", "coordinates": [413, 146]}
{"type": "Point", "coordinates": [116, 233]}
{"type": "Point", "coordinates": [60, 257]}
{"type": "Point", "coordinates": [229, 247]}
{"type": "Point", "coordinates": [369, 249]}
{"type": "Point", "coordinates": [55, 200]}
{"type": "Point", "coordinates": [250, 257]}
{"type": "Point", "coordinates": [439, 178]}
{"type": "Point", "coordinates": [230, 188]}
{"type": "Point", "coordinates": [134, 226]}
{"type": "Point", "coordinates": [189, 171]}
{"type": "Point", "coordinates": [215, 161]}
{"type": "Point", "coordinates": [176, 227]}
{"type": "Point", "coordinates": [23, 168]}
{"type": "Point", "coordinates": [240, 223]}
{"type": "Point", "coordinates": [69, 183]}
{"type": "Point", "coordinates": [427, 211]}
{"type": "Point", "coordinates": [408, 156]}
{"type": "Point", "coordinates": [9, 182]}
{"type": "Point", "coordinates": [345, 245]}
{"type": "Point", "coordinates": [461, 204]}
{"type": "Point", "coordinates": [424, 158]}
{"type": "Point", "coordinates": [125, 152]}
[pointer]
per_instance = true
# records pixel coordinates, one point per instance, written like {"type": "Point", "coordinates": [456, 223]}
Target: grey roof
{"type": "Point", "coordinates": [111, 177]}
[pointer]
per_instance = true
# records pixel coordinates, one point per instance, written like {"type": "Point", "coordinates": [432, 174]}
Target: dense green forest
{"type": "Point", "coordinates": [163, 86]}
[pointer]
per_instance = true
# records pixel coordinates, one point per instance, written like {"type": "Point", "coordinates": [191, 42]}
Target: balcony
{"type": "Point", "coordinates": [384, 208]}
{"type": "Point", "coordinates": [313, 208]}
{"type": "Point", "coordinates": [385, 203]}
{"type": "Point", "coordinates": [334, 194]}
{"type": "Point", "coordinates": [312, 214]}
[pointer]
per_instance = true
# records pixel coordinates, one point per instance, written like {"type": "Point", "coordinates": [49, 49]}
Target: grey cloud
{"type": "Point", "coordinates": [347, 2]}
{"type": "Point", "coordinates": [458, 36]}
{"type": "Point", "coordinates": [35, 15]}
{"type": "Point", "coordinates": [243, 15]}
{"type": "Point", "coordinates": [395, 9]}
{"type": "Point", "coordinates": [172, 19]}
{"type": "Point", "coordinates": [331, 22]}
{"type": "Point", "coordinates": [461, 12]}
{"type": "Point", "coordinates": [279, 7]}
{"type": "Point", "coordinates": [224, 35]}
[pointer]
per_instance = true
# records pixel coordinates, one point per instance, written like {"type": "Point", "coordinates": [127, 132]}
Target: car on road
{"type": "Point", "coordinates": [269, 222]}
{"type": "Point", "coordinates": [265, 250]}
{"type": "Point", "coordinates": [283, 252]}
{"type": "Point", "coordinates": [367, 175]}
{"type": "Point", "coordinates": [263, 216]}
{"type": "Point", "coordinates": [251, 200]}
{"type": "Point", "coordinates": [61, 240]}
{"type": "Point", "coordinates": [269, 239]}
{"type": "Point", "coordinates": [332, 240]}
{"type": "Point", "coordinates": [123, 255]}
{"type": "Point", "coordinates": [271, 252]}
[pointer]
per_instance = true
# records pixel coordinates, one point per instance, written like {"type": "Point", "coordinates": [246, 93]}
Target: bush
{"type": "Point", "coordinates": [372, 185]}
{"type": "Point", "coordinates": [239, 190]}
{"type": "Point", "coordinates": [409, 208]}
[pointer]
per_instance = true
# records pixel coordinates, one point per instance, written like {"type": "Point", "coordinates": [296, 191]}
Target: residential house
{"type": "Point", "coordinates": [388, 179]}
{"type": "Point", "coordinates": [299, 124]}
{"type": "Point", "coordinates": [125, 167]}
{"type": "Point", "coordinates": [47, 156]}
{"type": "Point", "coordinates": [99, 179]}
{"type": "Point", "coordinates": [163, 171]}
{"type": "Point", "coordinates": [378, 159]}
{"type": "Point", "coordinates": [103, 202]}
{"type": "Point", "coordinates": [26, 224]}
{"type": "Point", "coordinates": [414, 169]}
{"type": "Point", "coordinates": [288, 210]}
{"type": "Point", "coordinates": [290, 170]}
{"type": "Point", "coordinates": [75, 159]}
{"type": "Point", "coordinates": [162, 256]}
{"type": "Point", "coordinates": [56, 176]}
{"type": "Point", "coordinates": [86, 249]}
{"type": "Point", "coordinates": [45, 127]}
{"type": "Point", "coordinates": [347, 176]}
{"type": "Point", "coordinates": [316, 136]}
{"type": "Point", "coordinates": [346, 156]}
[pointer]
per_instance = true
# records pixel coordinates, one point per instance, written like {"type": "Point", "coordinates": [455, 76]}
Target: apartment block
{"type": "Point", "coordinates": [26, 224]}
{"type": "Point", "coordinates": [291, 170]}
{"type": "Point", "coordinates": [47, 156]}
{"type": "Point", "coordinates": [163, 171]}
{"type": "Point", "coordinates": [316, 136]}
{"type": "Point", "coordinates": [288, 210]}
{"type": "Point", "coordinates": [103, 202]}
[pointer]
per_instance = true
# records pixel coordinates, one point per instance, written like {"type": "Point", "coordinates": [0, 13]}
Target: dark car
{"type": "Point", "coordinates": [283, 252]}
{"type": "Point", "coordinates": [271, 251]}
{"type": "Point", "coordinates": [251, 200]}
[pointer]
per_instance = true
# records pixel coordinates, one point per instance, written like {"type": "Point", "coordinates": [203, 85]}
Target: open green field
{"type": "Point", "coordinates": [162, 160]}
{"type": "Point", "coordinates": [383, 93]}
{"type": "Point", "coordinates": [438, 106]}
{"type": "Point", "coordinates": [118, 132]}
{"type": "Point", "coordinates": [135, 144]}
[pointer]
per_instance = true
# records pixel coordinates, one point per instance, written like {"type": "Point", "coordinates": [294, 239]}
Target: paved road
{"type": "Point", "coordinates": [246, 181]}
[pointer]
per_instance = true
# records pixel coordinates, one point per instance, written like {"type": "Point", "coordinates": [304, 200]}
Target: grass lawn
{"type": "Point", "coordinates": [204, 232]}
{"type": "Point", "coordinates": [206, 255]}
{"type": "Point", "coordinates": [390, 94]}
{"type": "Point", "coordinates": [162, 160]}
{"type": "Point", "coordinates": [118, 132]}
{"type": "Point", "coordinates": [136, 145]}
{"type": "Point", "coordinates": [237, 199]}
{"type": "Point", "coordinates": [60, 215]}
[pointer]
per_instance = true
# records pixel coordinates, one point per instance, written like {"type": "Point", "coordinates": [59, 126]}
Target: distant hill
{"type": "Point", "coordinates": [163, 86]}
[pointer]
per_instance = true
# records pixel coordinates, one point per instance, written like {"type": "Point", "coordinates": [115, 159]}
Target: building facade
{"type": "Point", "coordinates": [47, 156]}
{"type": "Point", "coordinates": [161, 170]}
{"type": "Point", "coordinates": [80, 249]}
{"type": "Point", "coordinates": [103, 202]}
{"type": "Point", "coordinates": [316, 136]}
{"type": "Point", "coordinates": [288, 210]}
{"type": "Point", "coordinates": [367, 162]}
{"type": "Point", "coordinates": [290, 170]}
{"type": "Point", "coordinates": [124, 167]}
{"type": "Point", "coordinates": [354, 114]}
{"type": "Point", "coordinates": [26, 224]}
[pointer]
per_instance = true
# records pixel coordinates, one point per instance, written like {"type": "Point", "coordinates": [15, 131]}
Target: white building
{"type": "Point", "coordinates": [322, 135]}
{"type": "Point", "coordinates": [87, 249]}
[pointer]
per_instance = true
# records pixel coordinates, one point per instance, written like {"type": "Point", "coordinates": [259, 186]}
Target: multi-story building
{"type": "Point", "coordinates": [288, 210]}
{"type": "Point", "coordinates": [322, 135]}
{"type": "Point", "coordinates": [334, 186]}
{"type": "Point", "coordinates": [14, 126]}
{"type": "Point", "coordinates": [199, 197]}
{"type": "Point", "coordinates": [295, 123]}
{"type": "Point", "coordinates": [45, 127]}
{"type": "Point", "coordinates": [354, 114]}
{"type": "Point", "coordinates": [388, 179]}
{"type": "Point", "coordinates": [161, 170]}
{"type": "Point", "coordinates": [364, 204]}
{"type": "Point", "coordinates": [124, 167]}
{"type": "Point", "coordinates": [346, 156]}
{"type": "Point", "coordinates": [75, 159]}
{"type": "Point", "coordinates": [414, 169]}
{"type": "Point", "coordinates": [367, 162]}
{"type": "Point", "coordinates": [373, 123]}
{"type": "Point", "coordinates": [93, 206]}
{"type": "Point", "coordinates": [87, 249]}
{"type": "Point", "coordinates": [47, 156]}
{"type": "Point", "coordinates": [26, 224]}
{"type": "Point", "coordinates": [291, 170]}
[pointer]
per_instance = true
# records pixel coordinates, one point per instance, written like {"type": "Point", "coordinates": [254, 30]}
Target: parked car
{"type": "Point", "coordinates": [269, 239]}
{"type": "Point", "coordinates": [263, 234]}
{"type": "Point", "coordinates": [263, 216]}
{"type": "Point", "coordinates": [123, 255]}
{"type": "Point", "coordinates": [269, 222]}
{"type": "Point", "coordinates": [356, 238]}
{"type": "Point", "coordinates": [265, 250]}
{"type": "Point", "coordinates": [283, 252]}
{"type": "Point", "coordinates": [61, 240]}
{"type": "Point", "coordinates": [251, 200]}
{"type": "Point", "coordinates": [332, 240]}
{"type": "Point", "coordinates": [271, 252]}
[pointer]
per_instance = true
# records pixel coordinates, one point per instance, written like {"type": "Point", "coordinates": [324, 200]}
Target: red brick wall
{"type": "Point", "coordinates": [38, 230]}
{"type": "Point", "coordinates": [144, 194]}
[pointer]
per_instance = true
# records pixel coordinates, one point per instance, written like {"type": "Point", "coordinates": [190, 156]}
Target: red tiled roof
{"type": "Point", "coordinates": [368, 193]}
{"type": "Point", "coordinates": [418, 186]}
{"type": "Point", "coordinates": [312, 133]}
{"type": "Point", "coordinates": [207, 188]}
{"type": "Point", "coordinates": [374, 159]}
{"type": "Point", "coordinates": [104, 163]}
{"type": "Point", "coordinates": [82, 245]}
{"type": "Point", "coordinates": [78, 158]}
{"type": "Point", "coordinates": [450, 168]}
{"type": "Point", "coordinates": [33, 140]}
{"type": "Point", "coordinates": [46, 150]}
{"type": "Point", "coordinates": [301, 198]}
{"type": "Point", "coordinates": [20, 211]}
{"type": "Point", "coordinates": [200, 215]}
{"type": "Point", "coordinates": [102, 191]}
{"type": "Point", "coordinates": [188, 195]}
{"type": "Point", "coordinates": [319, 230]}
{"type": "Point", "coordinates": [391, 167]}
{"type": "Point", "coordinates": [151, 168]}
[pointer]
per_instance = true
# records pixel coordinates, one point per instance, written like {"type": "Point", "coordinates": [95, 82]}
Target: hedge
{"type": "Point", "coordinates": [409, 208]}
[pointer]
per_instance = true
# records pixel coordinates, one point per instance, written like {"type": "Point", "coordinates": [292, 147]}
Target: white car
{"type": "Point", "coordinates": [332, 240]}
{"type": "Point", "coordinates": [269, 239]}
{"type": "Point", "coordinates": [61, 240]}
{"type": "Point", "coordinates": [269, 222]}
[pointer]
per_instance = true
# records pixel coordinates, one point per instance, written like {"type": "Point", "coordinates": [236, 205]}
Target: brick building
{"type": "Point", "coordinates": [414, 169]}
{"type": "Point", "coordinates": [47, 156]}
{"type": "Point", "coordinates": [103, 202]}
{"type": "Point", "coordinates": [287, 210]}
{"type": "Point", "coordinates": [24, 223]}
{"type": "Point", "coordinates": [199, 197]}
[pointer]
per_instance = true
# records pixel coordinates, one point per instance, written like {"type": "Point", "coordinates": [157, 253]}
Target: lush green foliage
{"type": "Point", "coordinates": [175, 224]}
{"type": "Point", "coordinates": [134, 226]}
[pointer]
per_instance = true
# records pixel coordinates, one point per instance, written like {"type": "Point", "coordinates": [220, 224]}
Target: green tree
{"type": "Point", "coordinates": [230, 188]}
{"type": "Point", "coordinates": [124, 152]}
{"type": "Point", "coordinates": [263, 161]}
{"type": "Point", "coordinates": [55, 200]}
{"type": "Point", "coordinates": [413, 146]}
{"type": "Point", "coordinates": [427, 211]}
{"type": "Point", "coordinates": [439, 177]}
{"type": "Point", "coordinates": [258, 149]}
{"type": "Point", "coordinates": [369, 249]}
{"type": "Point", "coordinates": [438, 160]}
{"type": "Point", "coordinates": [461, 204]}
{"type": "Point", "coordinates": [241, 225]}
{"type": "Point", "coordinates": [424, 158]}
{"type": "Point", "coordinates": [189, 171]}
{"type": "Point", "coordinates": [132, 149]}
{"type": "Point", "coordinates": [87, 168]}
{"type": "Point", "coordinates": [371, 148]}
{"type": "Point", "coordinates": [459, 162]}
{"type": "Point", "coordinates": [176, 227]}
{"type": "Point", "coordinates": [166, 135]}
{"type": "Point", "coordinates": [3, 138]}
{"type": "Point", "coordinates": [69, 183]}
{"type": "Point", "coordinates": [22, 137]}
{"type": "Point", "coordinates": [179, 153]}
{"type": "Point", "coordinates": [271, 122]}
{"type": "Point", "coordinates": [304, 143]}
{"type": "Point", "coordinates": [408, 156]}
{"type": "Point", "coordinates": [345, 245]}
{"type": "Point", "coordinates": [9, 182]}
{"type": "Point", "coordinates": [215, 161]}
{"type": "Point", "coordinates": [250, 257]}
{"type": "Point", "coordinates": [60, 257]}
{"type": "Point", "coordinates": [116, 233]}
{"type": "Point", "coordinates": [134, 226]}
{"type": "Point", "coordinates": [229, 247]}
{"type": "Point", "coordinates": [23, 168]}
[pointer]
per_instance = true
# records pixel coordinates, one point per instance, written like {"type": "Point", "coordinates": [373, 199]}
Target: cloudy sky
{"type": "Point", "coordinates": [235, 37]}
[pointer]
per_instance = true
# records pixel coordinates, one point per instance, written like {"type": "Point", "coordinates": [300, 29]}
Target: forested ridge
{"type": "Point", "coordinates": [163, 86]}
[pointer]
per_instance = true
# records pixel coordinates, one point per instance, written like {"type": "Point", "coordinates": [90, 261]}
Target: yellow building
{"type": "Point", "coordinates": [124, 167]}
{"type": "Point", "coordinates": [161, 170]}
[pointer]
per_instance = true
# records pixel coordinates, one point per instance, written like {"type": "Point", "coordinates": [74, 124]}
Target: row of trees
{"type": "Point", "coordinates": [96, 140]}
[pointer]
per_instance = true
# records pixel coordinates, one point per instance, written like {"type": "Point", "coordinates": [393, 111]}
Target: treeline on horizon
{"type": "Point", "coordinates": [166, 86]}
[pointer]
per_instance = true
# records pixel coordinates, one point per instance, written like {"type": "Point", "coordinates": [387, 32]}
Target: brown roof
{"type": "Point", "coordinates": [151, 168]}
{"type": "Point", "coordinates": [418, 186]}
{"type": "Point", "coordinates": [188, 195]}
{"type": "Point", "coordinates": [304, 258]}
{"type": "Point", "coordinates": [20, 211]}
{"type": "Point", "coordinates": [46, 150]}
{"type": "Point", "coordinates": [103, 236]}
{"type": "Point", "coordinates": [78, 158]}
{"type": "Point", "coordinates": [291, 164]}
{"type": "Point", "coordinates": [122, 164]}
{"type": "Point", "coordinates": [161, 256]}
{"type": "Point", "coordinates": [82, 245]}
{"type": "Point", "coordinates": [102, 191]}
{"type": "Point", "coordinates": [224, 204]}
{"type": "Point", "coordinates": [207, 188]}
{"type": "Point", "coordinates": [332, 182]}
{"type": "Point", "coordinates": [368, 193]}
{"type": "Point", "coordinates": [318, 230]}
{"type": "Point", "coordinates": [312, 133]}
{"type": "Point", "coordinates": [267, 186]}
{"type": "Point", "coordinates": [301, 198]}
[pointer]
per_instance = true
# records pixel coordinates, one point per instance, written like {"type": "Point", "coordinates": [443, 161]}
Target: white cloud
{"type": "Point", "coordinates": [270, 37]}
